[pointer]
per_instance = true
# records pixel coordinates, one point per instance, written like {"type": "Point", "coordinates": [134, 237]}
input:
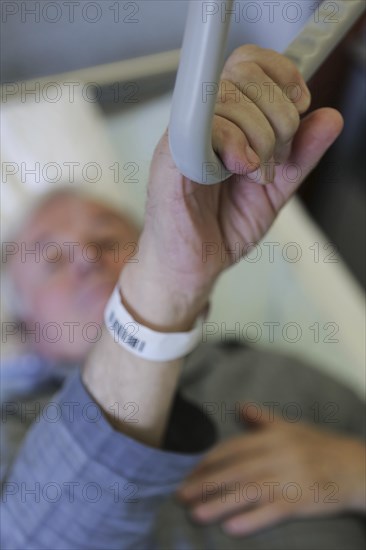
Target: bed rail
{"type": "Point", "coordinates": [201, 62]}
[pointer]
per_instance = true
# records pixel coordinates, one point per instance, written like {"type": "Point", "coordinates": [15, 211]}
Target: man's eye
{"type": "Point", "coordinates": [54, 262]}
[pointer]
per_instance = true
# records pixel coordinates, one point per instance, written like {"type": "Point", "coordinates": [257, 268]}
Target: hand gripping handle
{"type": "Point", "coordinates": [201, 62]}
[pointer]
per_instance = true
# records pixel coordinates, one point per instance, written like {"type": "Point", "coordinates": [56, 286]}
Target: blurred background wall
{"type": "Point", "coordinates": [42, 37]}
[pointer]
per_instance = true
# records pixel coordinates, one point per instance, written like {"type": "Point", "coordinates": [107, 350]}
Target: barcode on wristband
{"type": "Point", "coordinates": [125, 333]}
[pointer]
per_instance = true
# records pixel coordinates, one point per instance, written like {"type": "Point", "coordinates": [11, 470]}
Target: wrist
{"type": "Point", "coordinates": [157, 304]}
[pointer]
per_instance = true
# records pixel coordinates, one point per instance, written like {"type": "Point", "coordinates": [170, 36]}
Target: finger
{"type": "Point", "coordinates": [316, 134]}
{"type": "Point", "coordinates": [231, 498]}
{"type": "Point", "coordinates": [230, 450]}
{"type": "Point", "coordinates": [248, 443]}
{"type": "Point", "coordinates": [279, 68]}
{"type": "Point", "coordinates": [259, 518]}
{"type": "Point", "coordinates": [232, 146]}
{"type": "Point", "coordinates": [241, 471]}
{"type": "Point", "coordinates": [227, 502]}
{"type": "Point", "coordinates": [242, 468]}
{"type": "Point", "coordinates": [243, 112]}
{"type": "Point", "coordinates": [256, 85]}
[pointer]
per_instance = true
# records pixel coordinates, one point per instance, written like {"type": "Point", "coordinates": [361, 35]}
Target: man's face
{"type": "Point", "coordinates": [81, 247]}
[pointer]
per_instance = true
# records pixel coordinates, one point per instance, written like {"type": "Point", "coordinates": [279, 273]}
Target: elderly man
{"type": "Point", "coordinates": [133, 426]}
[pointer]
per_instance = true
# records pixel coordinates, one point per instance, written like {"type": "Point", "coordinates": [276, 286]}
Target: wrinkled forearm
{"type": "Point", "coordinates": [115, 377]}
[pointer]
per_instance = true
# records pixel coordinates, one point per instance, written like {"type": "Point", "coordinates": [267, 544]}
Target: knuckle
{"type": "Point", "coordinates": [249, 69]}
{"type": "Point", "coordinates": [293, 71]}
{"type": "Point", "coordinates": [228, 92]}
{"type": "Point", "coordinates": [242, 53]}
{"type": "Point", "coordinates": [246, 49]}
{"type": "Point", "coordinates": [241, 70]}
{"type": "Point", "coordinates": [243, 75]}
{"type": "Point", "coordinates": [288, 124]}
{"type": "Point", "coordinates": [293, 77]}
{"type": "Point", "coordinates": [306, 102]}
{"type": "Point", "coordinates": [267, 142]}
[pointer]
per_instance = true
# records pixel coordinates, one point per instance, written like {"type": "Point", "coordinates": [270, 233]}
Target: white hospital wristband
{"type": "Point", "coordinates": [145, 342]}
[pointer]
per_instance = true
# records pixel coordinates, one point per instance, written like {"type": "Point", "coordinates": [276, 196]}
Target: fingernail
{"type": "Point", "coordinates": [252, 156]}
{"type": "Point", "coordinates": [200, 514]}
{"type": "Point", "coordinates": [259, 177]}
{"type": "Point", "coordinates": [232, 527]}
{"type": "Point", "coordinates": [256, 176]}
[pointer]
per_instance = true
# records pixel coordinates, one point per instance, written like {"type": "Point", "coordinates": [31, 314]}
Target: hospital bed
{"type": "Point", "coordinates": [310, 308]}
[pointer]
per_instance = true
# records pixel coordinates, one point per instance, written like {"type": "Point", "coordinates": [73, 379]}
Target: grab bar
{"type": "Point", "coordinates": [201, 62]}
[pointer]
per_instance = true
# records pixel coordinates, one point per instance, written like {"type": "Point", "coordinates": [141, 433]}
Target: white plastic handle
{"type": "Point", "coordinates": [201, 62]}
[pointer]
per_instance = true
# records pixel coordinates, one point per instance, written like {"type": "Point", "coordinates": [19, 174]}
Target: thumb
{"type": "Point", "coordinates": [317, 132]}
